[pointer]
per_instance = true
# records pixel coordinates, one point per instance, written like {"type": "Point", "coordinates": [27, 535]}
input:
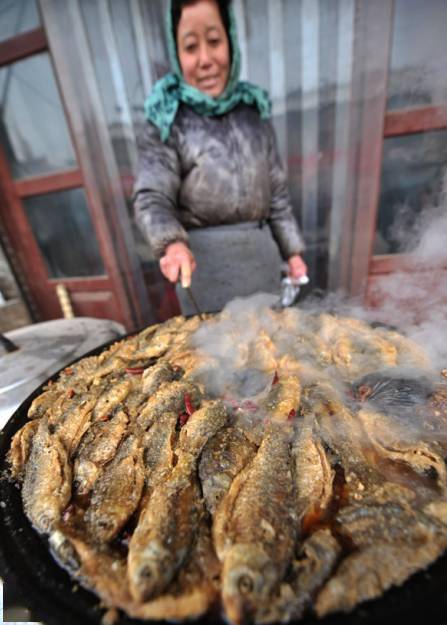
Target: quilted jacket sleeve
{"type": "Point", "coordinates": [282, 221]}
{"type": "Point", "coordinates": [156, 190]}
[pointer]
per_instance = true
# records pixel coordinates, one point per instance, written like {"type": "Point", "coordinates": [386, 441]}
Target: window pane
{"type": "Point", "coordinates": [33, 130]}
{"type": "Point", "coordinates": [153, 16]}
{"type": "Point", "coordinates": [64, 232]}
{"type": "Point", "coordinates": [112, 42]}
{"type": "Point", "coordinates": [419, 54]}
{"type": "Point", "coordinates": [17, 16]}
{"type": "Point", "coordinates": [413, 170]}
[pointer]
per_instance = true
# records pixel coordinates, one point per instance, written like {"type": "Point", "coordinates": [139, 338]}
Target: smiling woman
{"type": "Point", "coordinates": [203, 47]}
{"type": "Point", "coordinates": [211, 196]}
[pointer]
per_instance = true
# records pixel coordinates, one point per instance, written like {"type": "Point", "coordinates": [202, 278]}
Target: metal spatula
{"type": "Point", "coordinates": [191, 297]}
{"type": "Point", "coordinates": [290, 290]}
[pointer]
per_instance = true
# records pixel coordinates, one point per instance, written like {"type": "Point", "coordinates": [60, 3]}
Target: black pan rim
{"type": "Point", "coordinates": [54, 597]}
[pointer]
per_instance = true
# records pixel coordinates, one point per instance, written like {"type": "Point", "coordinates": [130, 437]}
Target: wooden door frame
{"type": "Point", "coordinates": [44, 301]}
{"type": "Point", "coordinates": [97, 173]}
{"type": "Point", "coordinates": [399, 123]}
{"type": "Point", "coordinates": [75, 73]}
{"type": "Point", "coordinates": [21, 46]}
{"type": "Point", "coordinates": [11, 50]}
{"type": "Point", "coordinates": [358, 267]}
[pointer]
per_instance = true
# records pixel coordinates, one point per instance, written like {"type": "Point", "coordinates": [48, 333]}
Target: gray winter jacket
{"type": "Point", "coordinates": [212, 171]}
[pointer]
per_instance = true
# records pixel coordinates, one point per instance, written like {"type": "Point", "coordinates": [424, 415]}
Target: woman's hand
{"type": "Point", "coordinates": [178, 261]}
{"type": "Point", "coordinates": [297, 267]}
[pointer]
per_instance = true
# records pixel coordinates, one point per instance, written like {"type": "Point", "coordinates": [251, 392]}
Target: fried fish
{"type": "Point", "coordinates": [117, 492]}
{"type": "Point", "coordinates": [263, 476]}
{"type": "Point", "coordinates": [255, 526]}
{"type": "Point", "coordinates": [46, 488]}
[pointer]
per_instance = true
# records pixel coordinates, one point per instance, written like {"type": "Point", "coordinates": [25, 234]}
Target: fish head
{"type": "Point", "coordinates": [104, 528]}
{"type": "Point", "coordinates": [44, 518]}
{"type": "Point", "coordinates": [152, 571]}
{"type": "Point", "coordinates": [248, 578]}
{"type": "Point", "coordinates": [64, 552]}
{"type": "Point", "coordinates": [86, 473]}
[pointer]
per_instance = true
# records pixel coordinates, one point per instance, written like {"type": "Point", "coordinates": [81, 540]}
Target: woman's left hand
{"type": "Point", "coordinates": [297, 267]}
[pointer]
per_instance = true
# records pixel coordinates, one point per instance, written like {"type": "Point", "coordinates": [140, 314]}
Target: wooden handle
{"type": "Point", "coordinates": [64, 300]}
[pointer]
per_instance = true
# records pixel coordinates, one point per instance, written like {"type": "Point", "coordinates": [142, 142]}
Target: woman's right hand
{"type": "Point", "coordinates": [178, 261]}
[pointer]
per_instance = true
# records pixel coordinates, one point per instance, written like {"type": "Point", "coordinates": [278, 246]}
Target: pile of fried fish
{"type": "Point", "coordinates": [318, 491]}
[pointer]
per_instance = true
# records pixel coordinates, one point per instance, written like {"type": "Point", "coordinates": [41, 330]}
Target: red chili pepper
{"type": "Point", "coordinates": [183, 418]}
{"type": "Point", "coordinates": [135, 370]}
{"type": "Point", "coordinates": [70, 393]}
{"type": "Point", "coordinates": [249, 406]}
{"type": "Point", "coordinates": [291, 415]}
{"type": "Point", "coordinates": [188, 405]}
{"type": "Point", "coordinates": [104, 417]}
{"type": "Point", "coordinates": [68, 512]}
{"type": "Point", "coordinates": [275, 379]}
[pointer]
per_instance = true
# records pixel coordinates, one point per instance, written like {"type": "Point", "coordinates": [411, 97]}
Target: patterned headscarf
{"type": "Point", "coordinates": [162, 104]}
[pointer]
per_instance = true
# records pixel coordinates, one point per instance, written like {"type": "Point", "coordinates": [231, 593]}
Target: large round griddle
{"type": "Point", "coordinates": [55, 598]}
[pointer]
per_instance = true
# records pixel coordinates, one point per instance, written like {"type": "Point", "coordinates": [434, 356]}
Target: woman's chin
{"type": "Point", "coordinates": [213, 92]}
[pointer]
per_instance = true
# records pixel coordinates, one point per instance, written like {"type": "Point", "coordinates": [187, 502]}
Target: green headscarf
{"type": "Point", "coordinates": [162, 104]}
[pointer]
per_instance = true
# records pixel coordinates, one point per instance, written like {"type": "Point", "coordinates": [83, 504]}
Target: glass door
{"type": "Point", "coordinates": [45, 210]}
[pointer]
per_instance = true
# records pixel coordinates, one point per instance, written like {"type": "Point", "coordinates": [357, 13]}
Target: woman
{"type": "Point", "coordinates": [210, 190]}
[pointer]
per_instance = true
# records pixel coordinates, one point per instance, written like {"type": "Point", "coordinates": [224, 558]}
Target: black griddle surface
{"type": "Point", "coordinates": [54, 598]}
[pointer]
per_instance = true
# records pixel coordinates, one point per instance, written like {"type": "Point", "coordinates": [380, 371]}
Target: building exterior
{"type": "Point", "coordinates": [359, 97]}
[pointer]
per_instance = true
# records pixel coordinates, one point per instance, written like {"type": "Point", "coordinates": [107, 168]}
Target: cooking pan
{"type": "Point", "coordinates": [53, 597]}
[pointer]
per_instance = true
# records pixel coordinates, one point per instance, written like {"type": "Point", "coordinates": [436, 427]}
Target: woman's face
{"type": "Point", "coordinates": [203, 47]}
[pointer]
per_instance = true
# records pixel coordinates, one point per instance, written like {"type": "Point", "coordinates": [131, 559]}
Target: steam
{"type": "Point", "coordinates": [355, 391]}
{"type": "Point", "coordinates": [431, 236]}
{"type": "Point", "coordinates": [425, 237]}
{"type": "Point", "coordinates": [415, 300]}
{"type": "Point", "coordinates": [229, 345]}
{"type": "Point", "coordinates": [249, 346]}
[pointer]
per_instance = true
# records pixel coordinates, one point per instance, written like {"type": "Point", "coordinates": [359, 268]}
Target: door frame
{"type": "Point", "coordinates": [359, 269]}
{"type": "Point", "coordinates": [97, 174]}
